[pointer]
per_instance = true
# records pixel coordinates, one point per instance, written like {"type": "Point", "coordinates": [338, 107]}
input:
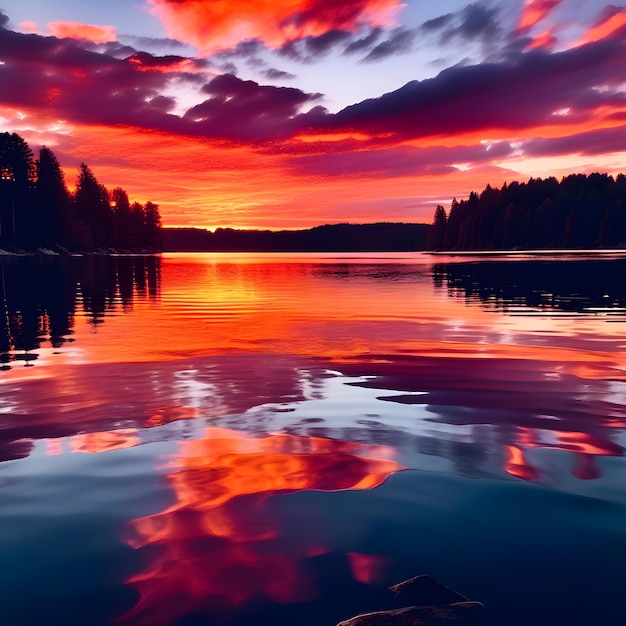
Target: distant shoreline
{"type": "Point", "coordinates": [529, 252]}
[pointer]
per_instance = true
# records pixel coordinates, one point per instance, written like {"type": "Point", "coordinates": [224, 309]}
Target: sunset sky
{"type": "Point", "coordinates": [293, 113]}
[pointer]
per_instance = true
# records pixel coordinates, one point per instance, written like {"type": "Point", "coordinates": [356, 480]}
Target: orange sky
{"type": "Point", "coordinates": [253, 115]}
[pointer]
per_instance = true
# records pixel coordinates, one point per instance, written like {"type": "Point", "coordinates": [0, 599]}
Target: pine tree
{"type": "Point", "coordinates": [437, 235]}
{"type": "Point", "coordinates": [152, 220]}
{"type": "Point", "coordinates": [17, 185]}
{"type": "Point", "coordinates": [91, 202]}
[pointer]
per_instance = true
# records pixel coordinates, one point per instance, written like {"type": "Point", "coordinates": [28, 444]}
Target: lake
{"type": "Point", "coordinates": [245, 439]}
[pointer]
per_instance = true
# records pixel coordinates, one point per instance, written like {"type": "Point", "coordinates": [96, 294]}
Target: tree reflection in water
{"type": "Point", "coordinates": [41, 296]}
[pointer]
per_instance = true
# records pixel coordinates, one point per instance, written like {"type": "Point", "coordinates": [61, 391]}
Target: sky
{"type": "Point", "coordinates": [293, 113]}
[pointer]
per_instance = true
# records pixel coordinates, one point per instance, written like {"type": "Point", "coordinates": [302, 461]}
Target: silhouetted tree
{"type": "Point", "coordinates": [56, 222]}
{"type": "Point", "coordinates": [36, 209]}
{"type": "Point", "coordinates": [152, 220]}
{"type": "Point", "coordinates": [437, 235]}
{"type": "Point", "coordinates": [137, 225]}
{"type": "Point", "coordinates": [17, 185]}
{"type": "Point", "coordinates": [121, 218]}
{"type": "Point", "coordinates": [578, 212]}
{"type": "Point", "coordinates": [91, 201]}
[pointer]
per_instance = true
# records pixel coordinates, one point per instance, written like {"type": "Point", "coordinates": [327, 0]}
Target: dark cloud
{"type": "Point", "coordinates": [243, 50]}
{"type": "Point", "coordinates": [364, 43]}
{"type": "Point", "coordinates": [160, 43]}
{"type": "Point", "coordinates": [246, 110]}
{"type": "Point", "coordinates": [64, 79]}
{"type": "Point", "coordinates": [438, 23]}
{"type": "Point", "coordinates": [399, 161]}
{"type": "Point", "coordinates": [591, 143]}
{"type": "Point", "coordinates": [274, 74]}
{"type": "Point", "coordinates": [4, 19]}
{"type": "Point", "coordinates": [256, 62]}
{"type": "Point", "coordinates": [228, 68]}
{"type": "Point", "coordinates": [522, 93]}
{"type": "Point", "coordinates": [475, 22]}
{"type": "Point", "coordinates": [147, 61]}
{"type": "Point", "coordinates": [400, 40]}
{"type": "Point", "coordinates": [310, 49]}
{"type": "Point", "coordinates": [113, 49]}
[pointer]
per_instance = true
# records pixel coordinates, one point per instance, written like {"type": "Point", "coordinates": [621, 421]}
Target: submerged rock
{"type": "Point", "coordinates": [425, 591]}
{"type": "Point", "coordinates": [461, 614]}
{"type": "Point", "coordinates": [429, 603]}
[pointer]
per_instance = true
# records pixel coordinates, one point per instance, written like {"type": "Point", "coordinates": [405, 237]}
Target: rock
{"type": "Point", "coordinates": [425, 591]}
{"type": "Point", "coordinates": [472, 612]}
{"type": "Point", "coordinates": [451, 615]}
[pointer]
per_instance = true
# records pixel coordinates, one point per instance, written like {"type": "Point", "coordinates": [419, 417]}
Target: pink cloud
{"type": "Point", "coordinates": [89, 32]}
{"type": "Point", "coordinates": [546, 39]}
{"type": "Point", "coordinates": [610, 23]}
{"type": "Point", "coordinates": [536, 11]}
{"type": "Point", "coordinates": [28, 26]}
{"type": "Point", "coordinates": [209, 24]}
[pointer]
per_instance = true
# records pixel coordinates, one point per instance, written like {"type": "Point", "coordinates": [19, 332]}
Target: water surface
{"type": "Point", "coordinates": [244, 439]}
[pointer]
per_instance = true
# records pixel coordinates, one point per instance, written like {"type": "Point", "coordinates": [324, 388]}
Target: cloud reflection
{"type": "Point", "coordinates": [218, 546]}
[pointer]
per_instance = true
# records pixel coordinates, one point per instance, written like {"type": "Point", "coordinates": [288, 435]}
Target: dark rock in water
{"type": "Point", "coordinates": [425, 591]}
{"type": "Point", "coordinates": [427, 603]}
{"type": "Point", "coordinates": [451, 615]}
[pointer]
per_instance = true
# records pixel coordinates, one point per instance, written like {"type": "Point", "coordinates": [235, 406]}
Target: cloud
{"type": "Point", "coordinates": [364, 43]}
{"type": "Point", "coordinates": [309, 49]}
{"type": "Point", "coordinates": [546, 39]}
{"type": "Point", "coordinates": [400, 160]}
{"type": "Point", "coordinates": [243, 109]}
{"type": "Point", "coordinates": [63, 79]}
{"type": "Point", "coordinates": [89, 32]}
{"type": "Point", "coordinates": [274, 74]}
{"type": "Point", "coordinates": [475, 22]}
{"type": "Point", "coordinates": [71, 80]}
{"type": "Point", "coordinates": [611, 22]}
{"type": "Point", "coordinates": [144, 61]}
{"type": "Point", "coordinates": [400, 40]}
{"type": "Point", "coordinates": [28, 27]}
{"type": "Point", "coordinates": [244, 49]}
{"type": "Point", "coordinates": [155, 43]}
{"type": "Point", "coordinates": [213, 25]}
{"type": "Point", "coordinates": [534, 12]}
{"type": "Point", "coordinates": [521, 93]}
{"type": "Point", "coordinates": [4, 19]}
{"type": "Point", "coordinates": [590, 143]}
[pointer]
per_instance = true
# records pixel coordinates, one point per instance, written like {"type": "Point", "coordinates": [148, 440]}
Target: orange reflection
{"type": "Point", "coordinates": [218, 547]}
{"type": "Point", "coordinates": [585, 446]}
{"type": "Point", "coordinates": [95, 443]}
{"type": "Point", "coordinates": [517, 465]}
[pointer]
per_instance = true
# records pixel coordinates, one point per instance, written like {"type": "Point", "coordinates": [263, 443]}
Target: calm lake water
{"type": "Point", "coordinates": [274, 439]}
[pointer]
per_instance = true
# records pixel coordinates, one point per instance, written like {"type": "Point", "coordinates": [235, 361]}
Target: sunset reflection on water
{"type": "Point", "coordinates": [217, 547]}
{"type": "Point", "coordinates": [234, 385]}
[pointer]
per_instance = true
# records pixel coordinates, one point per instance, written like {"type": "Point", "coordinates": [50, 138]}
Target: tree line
{"type": "Point", "coordinates": [38, 211]}
{"type": "Point", "coordinates": [579, 211]}
{"type": "Point", "coordinates": [377, 237]}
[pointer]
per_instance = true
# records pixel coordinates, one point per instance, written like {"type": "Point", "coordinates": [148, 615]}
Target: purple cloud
{"type": "Point", "coordinates": [243, 109]}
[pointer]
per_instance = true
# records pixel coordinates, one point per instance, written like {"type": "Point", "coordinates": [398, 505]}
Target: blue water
{"type": "Point", "coordinates": [239, 440]}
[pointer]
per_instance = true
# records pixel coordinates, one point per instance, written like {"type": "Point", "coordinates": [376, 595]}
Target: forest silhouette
{"type": "Point", "coordinates": [578, 212]}
{"type": "Point", "coordinates": [38, 211]}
